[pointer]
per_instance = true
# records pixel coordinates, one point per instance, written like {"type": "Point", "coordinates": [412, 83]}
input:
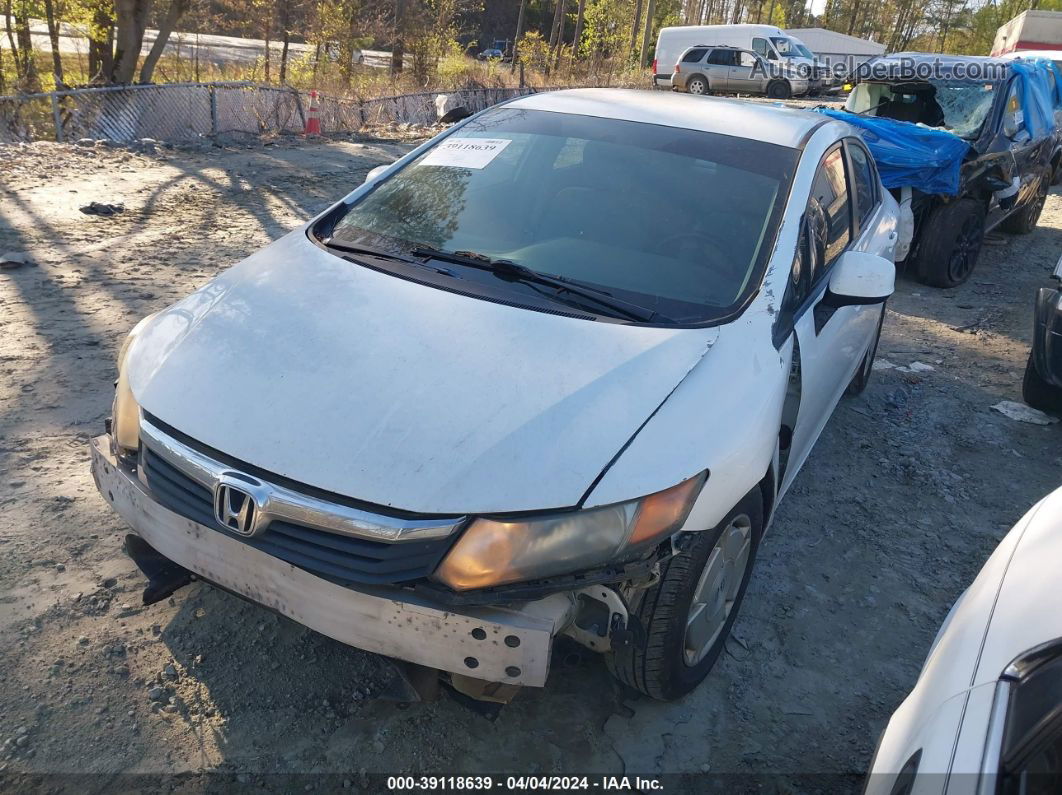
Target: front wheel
{"type": "Point", "coordinates": [688, 614]}
{"type": "Point", "coordinates": [779, 89]}
{"type": "Point", "coordinates": [951, 241]}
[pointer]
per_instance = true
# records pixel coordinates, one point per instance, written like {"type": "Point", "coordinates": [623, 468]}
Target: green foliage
{"type": "Point", "coordinates": [606, 29]}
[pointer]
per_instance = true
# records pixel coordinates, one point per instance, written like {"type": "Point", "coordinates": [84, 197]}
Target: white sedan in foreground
{"type": "Point", "coordinates": [986, 714]}
{"type": "Point", "coordinates": [548, 373]}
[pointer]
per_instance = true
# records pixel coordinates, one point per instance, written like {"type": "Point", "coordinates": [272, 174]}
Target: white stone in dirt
{"type": "Point", "coordinates": [919, 367]}
{"type": "Point", "coordinates": [1023, 413]}
{"type": "Point", "coordinates": [14, 259]}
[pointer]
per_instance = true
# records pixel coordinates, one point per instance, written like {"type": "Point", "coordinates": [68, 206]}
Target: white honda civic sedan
{"type": "Point", "coordinates": [985, 716]}
{"type": "Point", "coordinates": [548, 373]}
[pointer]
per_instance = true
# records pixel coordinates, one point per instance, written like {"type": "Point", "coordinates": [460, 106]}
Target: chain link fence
{"type": "Point", "coordinates": [185, 112]}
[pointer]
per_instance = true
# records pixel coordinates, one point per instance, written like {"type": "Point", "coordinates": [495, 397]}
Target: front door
{"type": "Point", "coordinates": [744, 76]}
{"type": "Point", "coordinates": [829, 343]}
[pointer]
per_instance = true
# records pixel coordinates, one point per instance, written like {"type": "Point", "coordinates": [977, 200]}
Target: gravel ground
{"type": "Point", "coordinates": [905, 496]}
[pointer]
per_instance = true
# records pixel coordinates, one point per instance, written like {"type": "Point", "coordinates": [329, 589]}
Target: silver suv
{"type": "Point", "coordinates": [704, 70]}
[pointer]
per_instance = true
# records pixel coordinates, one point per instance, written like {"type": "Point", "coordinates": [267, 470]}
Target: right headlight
{"type": "Point", "coordinates": [125, 412]}
{"type": "Point", "coordinates": [500, 551]}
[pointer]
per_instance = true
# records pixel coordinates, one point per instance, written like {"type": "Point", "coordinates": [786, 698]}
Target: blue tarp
{"type": "Point", "coordinates": [929, 159]}
{"type": "Point", "coordinates": [910, 154]}
{"type": "Point", "coordinates": [1037, 76]}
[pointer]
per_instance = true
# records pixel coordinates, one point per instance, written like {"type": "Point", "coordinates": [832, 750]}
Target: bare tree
{"type": "Point", "coordinates": [578, 32]}
{"type": "Point", "coordinates": [635, 26]}
{"type": "Point", "coordinates": [649, 12]}
{"type": "Point", "coordinates": [132, 17]}
{"type": "Point", "coordinates": [519, 33]}
{"type": "Point", "coordinates": [53, 38]}
{"type": "Point", "coordinates": [11, 40]}
{"type": "Point", "coordinates": [398, 45]}
{"type": "Point", "coordinates": [28, 72]}
{"type": "Point", "coordinates": [285, 32]}
{"type": "Point", "coordinates": [169, 22]}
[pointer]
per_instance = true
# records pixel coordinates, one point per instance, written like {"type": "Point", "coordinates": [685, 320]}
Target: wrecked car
{"type": "Point", "coordinates": [1041, 387]}
{"type": "Point", "coordinates": [549, 373]}
{"type": "Point", "coordinates": [996, 175]}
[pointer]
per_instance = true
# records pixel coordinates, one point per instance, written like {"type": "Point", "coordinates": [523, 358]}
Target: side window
{"type": "Point", "coordinates": [694, 56]}
{"type": "Point", "coordinates": [1032, 742]}
{"type": "Point", "coordinates": [748, 59]}
{"type": "Point", "coordinates": [830, 192]}
{"type": "Point", "coordinates": [864, 181]}
{"type": "Point", "coordinates": [1013, 114]}
{"type": "Point", "coordinates": [722, 57]}
{"type": "Point", "coordinates": [760, 46]}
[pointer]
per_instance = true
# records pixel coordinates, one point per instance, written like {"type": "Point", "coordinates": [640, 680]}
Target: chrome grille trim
{"type": "Point", "coordinates": [284, 504]}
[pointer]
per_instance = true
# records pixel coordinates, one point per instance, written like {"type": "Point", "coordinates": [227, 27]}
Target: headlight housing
{"type": "Point", "coordinates": [496, 551]}
{"type": "Point", "coordinates": [125, 412]}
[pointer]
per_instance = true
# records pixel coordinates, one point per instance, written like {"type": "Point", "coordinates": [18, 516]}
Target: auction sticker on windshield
{"type": "Point", "coordinates": [465, 152]}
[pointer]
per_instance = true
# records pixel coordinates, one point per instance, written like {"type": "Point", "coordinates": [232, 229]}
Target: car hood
{"type": "Point", "coordinates": [384, 390]}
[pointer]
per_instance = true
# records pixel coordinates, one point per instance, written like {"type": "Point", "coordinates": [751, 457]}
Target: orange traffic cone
{"type": "Point", "coordinates": [313, 116]}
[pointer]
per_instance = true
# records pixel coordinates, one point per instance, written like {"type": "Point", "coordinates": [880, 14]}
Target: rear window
{"type": "Point", "coordinates": [723, 57]}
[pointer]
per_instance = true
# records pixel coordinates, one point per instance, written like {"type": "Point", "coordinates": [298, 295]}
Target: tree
{"type": "Point", "coordinates": [519, 34]}
{"type": "Point", "coordinates": [131, 22]}
{"type": "Point", "coordinates": [650, 10]}
{"type": "Point", "coordinates": [53, 39]}
{"type": "Point", "coordinates": [176, 10]}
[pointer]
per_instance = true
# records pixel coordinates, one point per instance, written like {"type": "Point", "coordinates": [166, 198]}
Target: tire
{"type": "Point", "coordinates": [859, 381]}
{"type": "Point", "coordinates": [1056, 169]}
{"type": "Point", "coordinates": [952, 236]}
{"type": "Point", "coordinates": [779, 89]}
{"type": "Point", "coordinates": [697, 85]}
{"type": "Point", "coordinates": [1024, 220]}
{"type": "Point", "coordinates": [1038, 393]}
{"type": "Point", "coordinates": [658, 664]}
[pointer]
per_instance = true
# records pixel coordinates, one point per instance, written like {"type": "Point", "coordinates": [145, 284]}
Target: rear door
{"type": "Point", "coordinates": [829, 343]}
{"type": "Point", "coordinates": [717, 68]}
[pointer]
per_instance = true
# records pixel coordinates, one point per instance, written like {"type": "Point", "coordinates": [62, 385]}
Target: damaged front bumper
{"type": "Point", "coordinates": [510, 644]}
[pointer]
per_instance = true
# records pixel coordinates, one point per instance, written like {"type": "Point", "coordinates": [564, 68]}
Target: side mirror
{"type": "Point", "coordinates": [860, 278]}
{"type": "Point", "coordinates": [375, 172]}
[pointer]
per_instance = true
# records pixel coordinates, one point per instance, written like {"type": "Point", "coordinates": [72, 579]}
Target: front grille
{"type": "Point", "coordinates": [338, 558]}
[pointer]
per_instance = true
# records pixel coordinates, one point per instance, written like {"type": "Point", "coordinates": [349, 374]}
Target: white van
{"type": "Point", "coordinates": [771, 42]}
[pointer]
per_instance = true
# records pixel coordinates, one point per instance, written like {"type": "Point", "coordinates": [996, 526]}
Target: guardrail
{"type": "Point", "coordinates": [185, 112]}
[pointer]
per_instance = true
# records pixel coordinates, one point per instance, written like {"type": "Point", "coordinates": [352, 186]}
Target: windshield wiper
{"type": "Point", "coordinates": [380, 253]}
{"type": "Point", "coordinates": [511, 271]}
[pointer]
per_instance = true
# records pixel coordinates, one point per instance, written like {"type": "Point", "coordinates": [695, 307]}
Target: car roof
{"type": "Point", "coordinates": [944, 63]}
{"type": "Point", "coordinates": [771, 124]}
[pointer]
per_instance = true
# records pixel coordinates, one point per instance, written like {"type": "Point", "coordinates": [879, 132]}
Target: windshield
{"type": "Point", "coordinates": [677, 221]}
{"type": "Point", "coordinates": [790, 48]}
{"type": "Point", "coordinates": [958, 106]}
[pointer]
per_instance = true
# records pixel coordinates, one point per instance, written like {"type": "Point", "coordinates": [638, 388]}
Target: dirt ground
{"type": "Point", "coordinates": [901, 502]}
